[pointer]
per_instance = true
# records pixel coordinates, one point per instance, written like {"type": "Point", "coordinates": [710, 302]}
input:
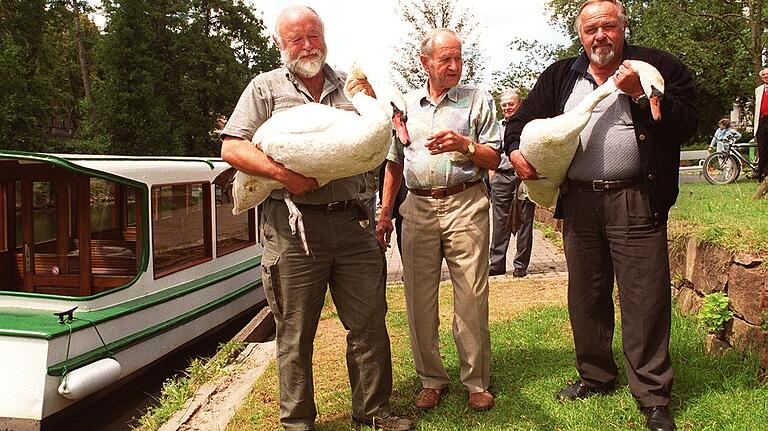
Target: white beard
{"type": "Point", "coordinates": [603, 55]}
{"type": "Point", "coordinates": [304, 68]}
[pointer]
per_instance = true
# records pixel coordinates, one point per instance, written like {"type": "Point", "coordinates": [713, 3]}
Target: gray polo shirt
{"type": "Point", "coordinates": [278, 90]}
{"type": "Point", "coordinates": [608, 148]}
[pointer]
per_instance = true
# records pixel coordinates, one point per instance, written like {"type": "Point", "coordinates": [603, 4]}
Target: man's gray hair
{"type": "Point", "coordinates": [509, 92]}
{"type": "Point", "coordinates": [427, 43]}
{"type": "Point", "coordinates": [278, 38]}
{"type": "Point", "coordinates": [619, 8]}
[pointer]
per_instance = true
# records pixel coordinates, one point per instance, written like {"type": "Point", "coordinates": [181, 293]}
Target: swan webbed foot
{"type": "Point", "coordinates": [296, 222]}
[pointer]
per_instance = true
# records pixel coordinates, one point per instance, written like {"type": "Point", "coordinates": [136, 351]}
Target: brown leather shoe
{"type": "Point", "coordinates": [429, 398]}
{"type": "Point", "coordinates": [480, 400]}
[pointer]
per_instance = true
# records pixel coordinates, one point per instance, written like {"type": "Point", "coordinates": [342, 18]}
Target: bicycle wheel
{"type": "Point", "coordinates": [721, 168]}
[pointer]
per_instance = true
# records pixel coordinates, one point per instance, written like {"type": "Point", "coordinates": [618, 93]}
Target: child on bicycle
{"type": "Point", "coordinates": [723, 135]}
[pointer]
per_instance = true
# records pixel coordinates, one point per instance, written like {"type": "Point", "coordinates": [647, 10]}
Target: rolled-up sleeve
{"type": "Point", "coordinates": [251, 111]}
{"type": "Point", "coordinates": [486, 124]}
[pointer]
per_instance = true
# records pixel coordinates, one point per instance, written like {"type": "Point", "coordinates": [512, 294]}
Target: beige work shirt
{"type": "Point", "coordinates": [278, 90]}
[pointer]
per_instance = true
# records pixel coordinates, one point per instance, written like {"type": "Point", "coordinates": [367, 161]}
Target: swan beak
{"type": "Point", "coordinates": [399, 118]}
{"type": "Point", "coordinates": [655, 102]}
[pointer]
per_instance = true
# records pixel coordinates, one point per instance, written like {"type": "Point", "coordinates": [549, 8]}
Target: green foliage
{"type": "Point", "coordinates": [714, 312]}
{"type": "Point", "coordinates": [176, 391]}
{"type": "Point", "coordinates": [549, 233]}
{"type": "Point", "coordinates": [764, 320]}
{"type": "Point", "coordinates": [522, 74]}
{"type": "Point", "coordinates": [161, 74]}
{"type": "Point", "coordinates": [721, 43]}
{"type": "Point", "coordinates": [423, 16]}
{"type": "Point", "coordinates": [172, 68]}
{"type": "Point", "coordinates": [37, 75]}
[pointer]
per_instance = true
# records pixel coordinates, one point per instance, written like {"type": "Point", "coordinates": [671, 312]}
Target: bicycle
{"type": "Point", "coordinates": [724, 167]}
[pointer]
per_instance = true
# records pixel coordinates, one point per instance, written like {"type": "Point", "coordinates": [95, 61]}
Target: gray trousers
{"type": "Point", "coordinates": [348, 260]}
{"type": "Point", "coordinates": [609, 234]}
{"type": "Point", "coordinates": [503, 188]}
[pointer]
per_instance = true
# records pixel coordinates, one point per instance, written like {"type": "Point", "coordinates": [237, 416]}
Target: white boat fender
{"type": "Point", "coordinates": [89, 379]}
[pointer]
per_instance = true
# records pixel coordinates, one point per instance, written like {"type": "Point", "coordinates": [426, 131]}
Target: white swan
{"type": "Point", "coordinates": [549, 144]}
{"type": "Point", "coordinates": [322, 142]}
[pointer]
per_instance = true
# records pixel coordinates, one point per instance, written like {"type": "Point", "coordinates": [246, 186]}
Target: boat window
{"type": "Point", "coordinates": [181, 228]}
{"type": "Point", "coordinates": [44, 206]}
{"type": "Point", "coordinates": [233, 232]}
{"type": "Point", "coordinates": [130, 204]}
{"type": "Point", "coordinates": [17, 206]}
{"type": "Point", "coordinates": [105, 214]}
{"type": "Point", "coordinates": [52, 219]}
{"type": "Point", "coordinates": [3, 243]}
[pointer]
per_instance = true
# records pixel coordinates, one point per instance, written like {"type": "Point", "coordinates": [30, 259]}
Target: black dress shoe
{"type": "Point", "coordinates": [493, 272]}
{"type": "Point", "coordinates": [519, 272]}
{"type": "Point", "coordinates": [581, 390]}
{"type": "Point", "coordinates": [658, 418]}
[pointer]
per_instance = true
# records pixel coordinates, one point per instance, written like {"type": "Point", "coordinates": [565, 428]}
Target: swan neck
{"type": "Point", "coordinates": [591, 100]}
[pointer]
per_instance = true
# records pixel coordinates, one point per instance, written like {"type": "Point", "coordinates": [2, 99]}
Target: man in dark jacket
{"type": "Point", "coordinates": [614, 204]}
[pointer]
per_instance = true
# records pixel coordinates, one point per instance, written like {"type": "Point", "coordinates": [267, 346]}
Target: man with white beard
{"type": "Point", "coordinates": [346, 257]}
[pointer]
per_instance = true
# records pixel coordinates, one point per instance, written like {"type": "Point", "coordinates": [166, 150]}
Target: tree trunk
{"type": "Point", "coordinates": [757, 27]}
{"type": "Point", "coordinates": [84, 67]}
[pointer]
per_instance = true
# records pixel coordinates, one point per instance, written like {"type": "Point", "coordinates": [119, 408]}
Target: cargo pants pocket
{"type": "Point", "coordinates": [270, 276]}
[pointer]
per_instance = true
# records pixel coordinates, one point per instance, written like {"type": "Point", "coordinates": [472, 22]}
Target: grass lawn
{"type": "Point", "coordinates": [532, 359]}
{"type": "Point", "coordinates": [724, 215]}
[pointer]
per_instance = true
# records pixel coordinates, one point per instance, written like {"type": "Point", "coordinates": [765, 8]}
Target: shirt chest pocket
{"type": "Point", "coordinates": [285, 101]}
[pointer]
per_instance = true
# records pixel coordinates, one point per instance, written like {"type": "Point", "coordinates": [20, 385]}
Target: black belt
{"type": "Point", "coordinates": [330, 207]}
{"type": "Point", "coordinates": [603, 185]}
{"type": "Point", "coordinates": [442, 192]}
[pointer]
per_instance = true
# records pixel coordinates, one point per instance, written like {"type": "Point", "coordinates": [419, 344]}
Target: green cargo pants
{"type": "Point", "coordinates": [346, 258]}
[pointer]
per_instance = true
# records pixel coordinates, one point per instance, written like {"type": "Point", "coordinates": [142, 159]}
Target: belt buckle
{"type": "Point", "coordinates": [438, 193]}
{"type": "Point", "coordinates": [331, 207]}
{"type": "Point", "coordinates": [599, 185]}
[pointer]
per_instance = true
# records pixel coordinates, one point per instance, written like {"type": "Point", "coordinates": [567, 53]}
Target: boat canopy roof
{"type": "Point", "coordinates": [144, 169]}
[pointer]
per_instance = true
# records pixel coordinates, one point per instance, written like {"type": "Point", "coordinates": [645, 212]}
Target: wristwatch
{"type": "Point", "coordinates": [470, 148]}
{"type": "Point", "coordinates": [641, 100]}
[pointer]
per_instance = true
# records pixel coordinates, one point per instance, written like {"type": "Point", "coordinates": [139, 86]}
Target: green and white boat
{"type": "Point", "coordinates": [107, 264]}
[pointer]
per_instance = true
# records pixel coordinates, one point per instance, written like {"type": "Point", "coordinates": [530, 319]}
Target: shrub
{"type": "Point", "coordinates": [714, 312]}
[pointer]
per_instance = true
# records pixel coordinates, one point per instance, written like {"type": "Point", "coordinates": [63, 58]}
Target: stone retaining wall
{"type": "Point", "coordinates": [700, 268]}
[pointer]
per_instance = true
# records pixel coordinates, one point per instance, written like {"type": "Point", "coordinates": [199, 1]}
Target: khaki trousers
{"type": "Point", "coordinates": [455, 228]}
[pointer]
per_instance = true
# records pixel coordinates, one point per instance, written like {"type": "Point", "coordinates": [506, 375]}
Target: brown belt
{"type": "Point", "coordinates": [603, 185]}
{"type": "Point", "coordinates": [442, 192]}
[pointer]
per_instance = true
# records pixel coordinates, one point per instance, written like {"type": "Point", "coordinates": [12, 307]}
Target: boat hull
{"type": "Point", "coordinates": [143, 337]}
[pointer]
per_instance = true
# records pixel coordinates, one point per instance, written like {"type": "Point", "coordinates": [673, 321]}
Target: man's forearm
{"type": "Point", "coordinates": [393, 175]}
{"type": "Point", "coordinates": [486, 157]}
{"type": "Point", "coordinates": [248, 158]}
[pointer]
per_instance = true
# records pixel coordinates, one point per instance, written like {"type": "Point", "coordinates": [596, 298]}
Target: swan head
{"type": "Point", "coordinates": [354, 73]}
{"type": "Point", "coordinates": [399, 118]}
{"type": "Point", "coordinates": [652, 83]}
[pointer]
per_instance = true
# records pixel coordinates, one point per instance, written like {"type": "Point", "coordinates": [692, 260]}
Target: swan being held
{"type": "Point", "coordinates": [549, 144]}
{"type": "Point", "coordinates": [322, 142]}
